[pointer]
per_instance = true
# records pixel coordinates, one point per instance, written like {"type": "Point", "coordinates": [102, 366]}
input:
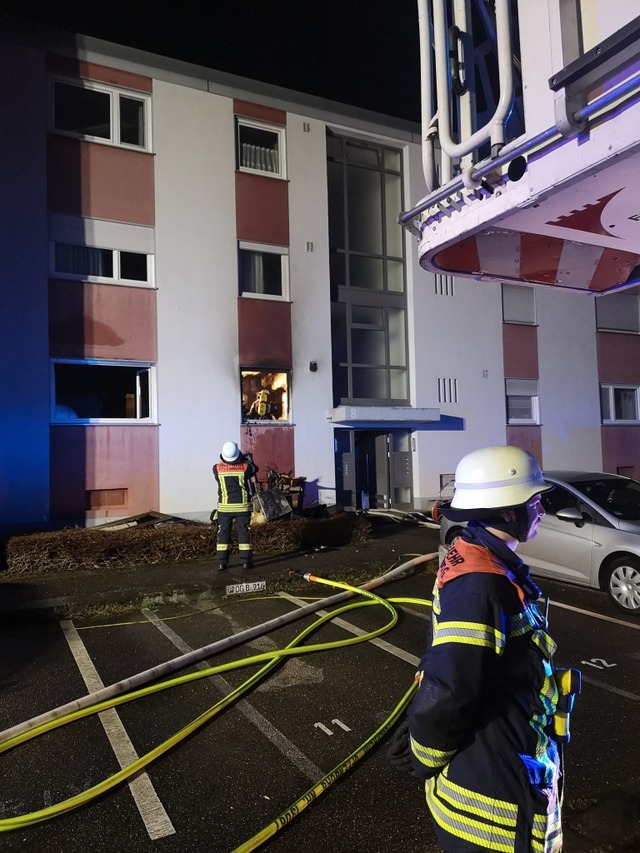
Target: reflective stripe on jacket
{"type": "Point", "coordinates": [233, 485]}
{"type": "Point", "coordinates": [480, 719]}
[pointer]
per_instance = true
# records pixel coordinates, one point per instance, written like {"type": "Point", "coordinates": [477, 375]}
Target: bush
{"type": "Point", "coordinates": [96, 549]}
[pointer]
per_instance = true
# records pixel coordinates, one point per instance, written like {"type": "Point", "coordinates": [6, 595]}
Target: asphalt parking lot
{"type": "Point", "coordinates": [247, 765]}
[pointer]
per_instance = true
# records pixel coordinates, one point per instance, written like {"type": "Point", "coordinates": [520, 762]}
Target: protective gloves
{"type": "Point", "coordinates": [399, 751]}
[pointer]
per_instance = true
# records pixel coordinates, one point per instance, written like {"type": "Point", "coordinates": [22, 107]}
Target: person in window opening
{"type": "Point", "coordinates": [260, 409]}
{"type": "Point", "coordinates": [235, 475]}
{"type": "Point", "coordinates": [483, 732]}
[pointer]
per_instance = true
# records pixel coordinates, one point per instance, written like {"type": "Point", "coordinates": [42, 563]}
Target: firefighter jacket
{"type": "Point", "coordinates": [234, 484]}
{"type": "Point", "coordinates": [479, 723]}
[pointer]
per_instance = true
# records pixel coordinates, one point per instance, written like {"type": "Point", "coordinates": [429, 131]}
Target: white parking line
{"type": "Point", "coordinates": [353, 629]}
{"type": "Point", "coordinates": [277, 738]}
{"type": "Point", "coordinates": [400, 653]}
{"type": "Point", "coordinates": [634, 625]}
{"type": "Point", "coordinates": [155, 818]}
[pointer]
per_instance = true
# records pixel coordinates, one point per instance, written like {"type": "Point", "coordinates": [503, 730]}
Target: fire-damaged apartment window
{"type": "Point", "coordinates": [265, 396]}
{"type": "Point", "coordinates": [96, 392]}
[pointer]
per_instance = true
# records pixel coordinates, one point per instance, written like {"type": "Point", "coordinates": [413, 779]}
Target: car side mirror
{"type": "Point", "coordinates": [570, 513]}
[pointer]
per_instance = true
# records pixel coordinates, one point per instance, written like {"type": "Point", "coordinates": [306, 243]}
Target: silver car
{"type": "Point", "coordinates": [589, 536]}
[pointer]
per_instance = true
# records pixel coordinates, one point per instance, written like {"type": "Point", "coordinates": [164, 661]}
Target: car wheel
{"type": "Point", "coordinates": [623, 584]}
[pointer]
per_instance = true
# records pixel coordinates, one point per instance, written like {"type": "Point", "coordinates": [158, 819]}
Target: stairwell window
{"type": "Point", "coordinates": [260, 148]}
{"type": "Point", "coordinates": [522, 401]}
{"type": "Point", "coordinates": [620, 403]}
{"type": "Point", "coordinates": [101, 113]}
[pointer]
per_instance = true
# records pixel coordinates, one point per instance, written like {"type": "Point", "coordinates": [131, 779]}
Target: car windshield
{"type": "Point", "coordinates": [618, 497]}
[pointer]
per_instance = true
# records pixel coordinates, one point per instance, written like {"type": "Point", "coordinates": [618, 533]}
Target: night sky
{"type": "Point", "coordinates": [359, 52]}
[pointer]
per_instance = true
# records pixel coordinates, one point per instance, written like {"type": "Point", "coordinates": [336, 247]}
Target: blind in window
{"type": "Point", "coordinates": [618, 312]}
{"type": "Point", "coordinates": [522, 387]}
{"type": "Point", "coordinates": [518, 304]}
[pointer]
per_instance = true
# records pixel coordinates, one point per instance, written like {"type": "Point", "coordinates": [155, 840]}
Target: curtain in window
{"type": "Point", "coordinates": [256, 273]}
{"type": "Point", "coordinates": [84, 260]}
{"type": "Point", "coordinates": [625, 404]}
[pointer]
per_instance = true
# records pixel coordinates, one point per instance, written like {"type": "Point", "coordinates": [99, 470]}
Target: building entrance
{"type": "Point", "coordinates": [373, 469]}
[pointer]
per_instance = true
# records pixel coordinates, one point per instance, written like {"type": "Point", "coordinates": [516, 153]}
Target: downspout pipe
{"type": "Point", "coordinates": [205, 652]}
{"type": "Point", "coordinates": [510, 152]}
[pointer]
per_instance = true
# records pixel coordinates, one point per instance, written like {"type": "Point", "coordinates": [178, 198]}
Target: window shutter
{"type": "Point", "coordinates": [102, 234]}
{"type": "Point", "coordinates": [522, 387]}
{"type": "Point", "coordinates": [618, 312]}
{"type": "Point", "coordinates": [518, 304]}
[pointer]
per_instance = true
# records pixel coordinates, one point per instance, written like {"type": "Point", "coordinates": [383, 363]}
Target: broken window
{"type": "Point", "coordinates": [265, 395]}
{"type": "Point", "coordinates": [92, 391]}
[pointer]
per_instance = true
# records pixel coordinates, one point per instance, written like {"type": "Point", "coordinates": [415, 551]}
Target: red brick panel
{"type": "Point", "coordinates": [621, 449]}
{"type": "Point", "coordinates": [264, 333]}
{"type": "Point", "coordinates": [618, 357]}
{"type": "Point", "coordinates": [102, 321]}
{"type": "Point", "coordinates": [520, 351]}
{"type": "Point", "coordinates": [527, 438]}
{"type": "Point", "coordinates": [270, 446]}
{"type": "Point", "coordinates": [257, 111]}
{"type": "Point", "coordinates": [71, 67]}
{"type": "Point", "coordinates": [100, 181]}
{"type": "Point", "coordinates": [262, 209]}
{"type": "Point", "coordinates": [89, 460]}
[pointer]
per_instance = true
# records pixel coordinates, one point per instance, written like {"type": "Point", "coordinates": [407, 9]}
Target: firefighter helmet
{"type": "Point", "coordinates": [494, 478]}
{"type": "Point", "coordinates": [230, 451]}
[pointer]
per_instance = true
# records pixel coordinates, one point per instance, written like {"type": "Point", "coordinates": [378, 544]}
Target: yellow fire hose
{"type": "Point", "coordinates": [269, 660]}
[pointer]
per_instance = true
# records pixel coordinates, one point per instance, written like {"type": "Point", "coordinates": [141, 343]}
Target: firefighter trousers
{"type": "Point", "coordinates": [225, 522]}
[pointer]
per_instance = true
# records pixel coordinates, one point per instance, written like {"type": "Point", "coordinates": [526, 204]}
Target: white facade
{"type": "Point", "coordinates": [196, 263]}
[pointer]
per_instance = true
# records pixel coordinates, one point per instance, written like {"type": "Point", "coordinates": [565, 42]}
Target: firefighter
{"type": "Point", "coordinates": [481, 722]}
{"type": "Point", "coordinates": [234, 475]}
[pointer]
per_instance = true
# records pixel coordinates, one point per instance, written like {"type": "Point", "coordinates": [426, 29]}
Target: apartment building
{"type": "Point", "coordinates": [191, 258]}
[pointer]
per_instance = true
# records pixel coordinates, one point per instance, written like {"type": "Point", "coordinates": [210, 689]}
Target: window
{"type": "Point", "coordinates": [260, 148]}
{"type": "Point", "coordinates": [367, 272]}
{"type": "Point", "coordinates": [522, 401]}
{"type": "Point", "coordinates": [265, 396]}
{"type": "Point", "coordinates": [618, 312]}
{"type": "Point", "coordinates": [447, 486]}
{"type": "Point", "coordinates": [619, 403]}
{"type": "Point", "coordinates": [263, 271]}
{"type": "Point", "coordinates": [100, 250]}
{"type": "Point", "coordinates": [92, 263]}
{"type": "Point", "coordinates": [97, 392]}
{"type": "Point", "coordinates": [557, 499]}
{"type": "Point", "coordinates": [518, 304]}
{"type": "Point", "coordinates": [101, 113]}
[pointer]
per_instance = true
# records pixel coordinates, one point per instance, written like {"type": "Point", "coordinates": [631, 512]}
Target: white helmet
{"type": "Point", "coordinates": [230, 451]}
{"type": "Point", "coordinates": [496, 478]}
